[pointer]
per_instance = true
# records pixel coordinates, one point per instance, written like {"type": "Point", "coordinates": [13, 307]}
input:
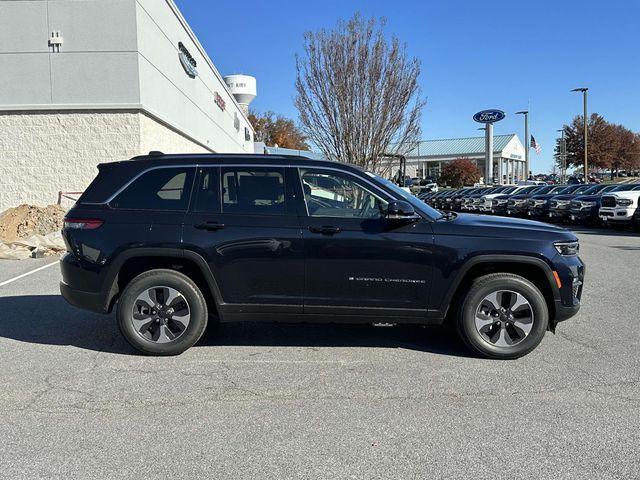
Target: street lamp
{"type": "Point", "coordinates": [563, 155]}
{"type": "Point", "coordinates": [526, 142]}
{"type": "Point", "coordinates": [584, 98]}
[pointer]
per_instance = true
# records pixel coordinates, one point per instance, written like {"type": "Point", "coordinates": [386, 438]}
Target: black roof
{"type": "Point", "coordinates": [159, 158]}
{"type": "Point", "coordinates": [114, 175]}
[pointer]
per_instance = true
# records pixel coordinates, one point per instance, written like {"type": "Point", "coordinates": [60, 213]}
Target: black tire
{"type": "Point", "coordinates": [485, 285]}
{"type": "Point", "coordinates": [197, 307]}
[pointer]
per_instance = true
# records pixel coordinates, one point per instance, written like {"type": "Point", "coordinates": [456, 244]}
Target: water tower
{"type": "Point", "coordinates": [243, 88]}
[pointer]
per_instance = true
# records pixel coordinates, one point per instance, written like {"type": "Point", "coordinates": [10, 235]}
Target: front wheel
{"type": "Point", "coordinates": [503, 316]}
{"type": "Point", "coordinates": [162, 312]}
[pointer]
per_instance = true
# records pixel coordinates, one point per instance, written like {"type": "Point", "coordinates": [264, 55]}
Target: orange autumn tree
{"type": "Point", "coordinates": [459, 172]}
{"type": "Point", "coordinates": [277, 130]}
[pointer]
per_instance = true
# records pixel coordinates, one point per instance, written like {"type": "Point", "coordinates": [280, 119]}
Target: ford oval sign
{"type": "Point", "coordinates": [489, 116]}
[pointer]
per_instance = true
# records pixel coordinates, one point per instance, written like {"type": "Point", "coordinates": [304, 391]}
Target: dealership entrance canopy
{"type": "Point", "coordinates": [87, 82]}
{"type": "Point", "coordinates": [427, 159]}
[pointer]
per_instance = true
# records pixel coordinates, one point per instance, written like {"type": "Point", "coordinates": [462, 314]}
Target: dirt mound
{"type": "Point", "coordinates": [26, 220]}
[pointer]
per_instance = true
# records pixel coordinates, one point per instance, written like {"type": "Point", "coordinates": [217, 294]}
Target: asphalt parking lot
{"type": "Point", "coordinates": [265, 401]}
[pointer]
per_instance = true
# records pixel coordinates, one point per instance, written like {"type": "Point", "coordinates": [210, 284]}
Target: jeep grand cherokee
{"type": "Point", "coordinates": [170, 241]}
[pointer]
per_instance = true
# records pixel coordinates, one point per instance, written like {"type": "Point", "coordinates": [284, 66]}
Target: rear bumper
{"type": "Point", "coordinates": [563, 312]}
{"type": "Point", "coordinates": [94, 302]}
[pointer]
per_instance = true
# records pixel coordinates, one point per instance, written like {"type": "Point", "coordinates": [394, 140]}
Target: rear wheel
{"type": "Point", "coordinates": [162, 312]}
{"type": "Point", "coordinates": [503, 316]}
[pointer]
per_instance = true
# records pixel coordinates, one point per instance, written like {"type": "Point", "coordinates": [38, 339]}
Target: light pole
{"type": "Point", "coordinates": [584, 99]}
{"type": "Point", "coordinates": [526, 142]}
{"type": "Point", "coordinates": [563, 155]}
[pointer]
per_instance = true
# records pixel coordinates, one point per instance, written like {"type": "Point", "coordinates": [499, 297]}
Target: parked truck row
{"type": "Point", "coordinates": [595, 205]}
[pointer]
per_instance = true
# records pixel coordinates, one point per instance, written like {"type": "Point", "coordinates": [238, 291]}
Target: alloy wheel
{"type": "Point", "coordinates": [160, 314]}
{"type": "Point", "coordinates": [504, 318]}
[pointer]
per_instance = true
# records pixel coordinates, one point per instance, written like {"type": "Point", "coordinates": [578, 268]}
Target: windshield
{"type": "Point", "coordinates": [592, 190]}
{"type": "Point", "coordinates": [414, 201]}
{"type": "Point", "coordinates": [559, 189]}
{"type": "Point", "coordinates": [623, 188]}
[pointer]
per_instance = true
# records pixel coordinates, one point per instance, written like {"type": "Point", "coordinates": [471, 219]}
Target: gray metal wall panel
{"type": "Point", "coordinates": [24, 79]}
{"type": "Point", "coordinates": [94, 25]}
{"type": "Point", "coordinates": [23, 26]}
{"type": "Point", "coordinates": [95, 78]}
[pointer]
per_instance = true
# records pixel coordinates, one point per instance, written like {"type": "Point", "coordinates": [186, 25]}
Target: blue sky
{"type": "Point", "coordinates": [475, 55]}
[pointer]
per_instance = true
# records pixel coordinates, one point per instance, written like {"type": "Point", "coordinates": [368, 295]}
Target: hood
{"type": "Point", "coordinates": [494, 195]}
{"type": "Point", "coordinates": [633, 194]}
{"type": "Point", "coordinates": [588, 198]}
{"type": "Point", "coordinates": [545, 196]}
{"type": "Point", "coordinates": [520, 196]}
{"type": "Point", "coordinates": [568, 196]}
{"type": "Point", "coordinates": [503, 227]}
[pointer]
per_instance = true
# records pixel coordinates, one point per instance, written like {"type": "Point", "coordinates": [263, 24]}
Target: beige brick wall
{"type": "Point", "coordinates": [44, 152]}
{"type": "Point", "coordinates": [156, 136]}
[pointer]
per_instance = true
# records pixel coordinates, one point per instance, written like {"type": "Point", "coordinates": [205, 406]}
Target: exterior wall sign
{"type": "Point", "coordinates": [489, 116]}
{"type": "Point", "coordinates": [219, 101]}
{"type": "Point", "coordinates": [188, 62]}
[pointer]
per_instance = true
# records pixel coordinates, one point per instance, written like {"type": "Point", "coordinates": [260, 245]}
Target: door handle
{"type": "Point", "coordinates": [325, 230]}
{"type": "Point", "coordinates": [209, 226]}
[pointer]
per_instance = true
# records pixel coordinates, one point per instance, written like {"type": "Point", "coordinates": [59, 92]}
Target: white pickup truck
{"type": "Point", "coordinates": [619, 207]}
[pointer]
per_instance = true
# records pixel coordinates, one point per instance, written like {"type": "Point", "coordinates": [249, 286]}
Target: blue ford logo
{"type": "Point", "coordinates": [489, 116]}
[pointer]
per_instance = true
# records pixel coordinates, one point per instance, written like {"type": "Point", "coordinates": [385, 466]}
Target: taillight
{"type": "Point", "coordinates": [82, 223]}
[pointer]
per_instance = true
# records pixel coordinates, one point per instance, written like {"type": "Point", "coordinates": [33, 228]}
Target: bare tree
{"type": "Point", "coordinates": [358, 94]}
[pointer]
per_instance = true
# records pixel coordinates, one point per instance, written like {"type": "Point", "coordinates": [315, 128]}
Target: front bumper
{"type": "Point", "coordinates": [538, 211]}
{"type": "Point", "coordinates": [583, 214]}
{"type": "Point", "coordinates": [560, 213]}
{"type": "Point", "coordinates": [616, 214]}
{"type": "Point", "coordinates": [563, 312]}
{"type": "Point", "coordinates": [517, 209]}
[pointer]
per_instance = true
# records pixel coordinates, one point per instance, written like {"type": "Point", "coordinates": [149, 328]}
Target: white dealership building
{"type": "Point", "coordinates": [92, 81]}
{"type": "Point", "coordinates": [429, 156]}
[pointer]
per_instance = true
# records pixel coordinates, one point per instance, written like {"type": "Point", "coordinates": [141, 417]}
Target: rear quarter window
{"type": "Point", "coordinates": [157, 189]}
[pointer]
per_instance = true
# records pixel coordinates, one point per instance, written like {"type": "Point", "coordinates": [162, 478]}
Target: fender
{"type": "Point", "coordinates": [111, 280]}
{"type": "Point", "coordinates": [489, 259]}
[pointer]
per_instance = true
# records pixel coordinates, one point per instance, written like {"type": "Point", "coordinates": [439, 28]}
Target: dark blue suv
{"type": "Point", "coordinates": [173, 241]}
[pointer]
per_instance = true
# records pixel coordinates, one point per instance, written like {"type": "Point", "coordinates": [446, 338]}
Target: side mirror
{"type": "Point", "coordinates": [400, 210]}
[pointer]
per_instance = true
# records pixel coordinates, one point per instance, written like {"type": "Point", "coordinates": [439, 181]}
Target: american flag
{"type": "Point", "coordinates": [535, 145]}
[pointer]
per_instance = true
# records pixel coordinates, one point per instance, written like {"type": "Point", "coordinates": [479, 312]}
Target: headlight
{"type": "Point", "coordinates": [624, 202]}
{"type": "Point", "coordinates": [567, 248]}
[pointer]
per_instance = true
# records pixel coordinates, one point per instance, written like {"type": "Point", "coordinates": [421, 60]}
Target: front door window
{"type": "Point", "coordinates": [329, 194]}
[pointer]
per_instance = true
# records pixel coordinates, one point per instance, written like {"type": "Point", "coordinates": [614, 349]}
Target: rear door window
{"type": "Point", "coordinates": [253, 190]}
{"type": "Point", "coordinates": [158, 189]}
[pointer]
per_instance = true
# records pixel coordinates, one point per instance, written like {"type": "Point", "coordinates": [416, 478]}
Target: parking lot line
{"type": "Point", "coordinates": [11, 280]}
